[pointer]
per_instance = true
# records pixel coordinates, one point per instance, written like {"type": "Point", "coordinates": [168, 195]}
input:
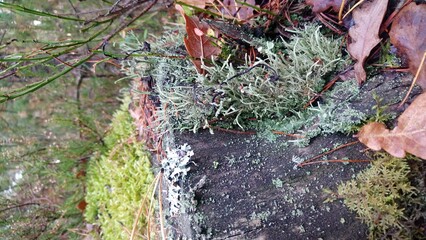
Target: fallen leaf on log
{"type": "Point", "coordinates": [408, 136]}
{"type": "Point", "coordinates": [322, 5]}
{"type": "Point", "coordinates": [234, 9]}
{"type": "Point", "coordinates": [198, 45]}
{"type": "Point", "coordinates": [365, 33]}
{"type": "Point", "coordinates": [408, 35]}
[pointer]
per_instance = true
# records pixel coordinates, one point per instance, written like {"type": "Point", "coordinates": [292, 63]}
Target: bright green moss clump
{"type": "Point", "coordinates": [118, 179]}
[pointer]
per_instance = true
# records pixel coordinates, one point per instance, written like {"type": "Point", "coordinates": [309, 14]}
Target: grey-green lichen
{"type": "Point", "coordinates": [280, 81]}
{"type": "Point", "coordinates": [332, 116]}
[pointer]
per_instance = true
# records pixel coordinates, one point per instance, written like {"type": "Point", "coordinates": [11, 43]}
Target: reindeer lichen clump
{"type": "Point", "coordinates": [284, 76]}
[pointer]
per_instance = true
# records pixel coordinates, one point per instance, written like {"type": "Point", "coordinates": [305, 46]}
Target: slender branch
{"type": "Point", "coordinates": [8, 75]}
{"type": "Point", "coordinates": [75, 9]}
{"type": "Point", "coordinates": [307, 162]}
{"type": "Point", "coordinates": [35, 12]}
{"type": "Point", "coordinates": [414, 80]}
{"type": "Point", "coordinates": [37, 85]}
{"type": "Point", "coordinates": [19, 206]}
{"type": "Point", "coordinates": [114, 32]}
{"type": "Point", "coordinates": [333, 161]}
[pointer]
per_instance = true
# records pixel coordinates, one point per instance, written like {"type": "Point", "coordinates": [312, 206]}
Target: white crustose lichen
{"type": "Point", "coordinates": [175, 168]}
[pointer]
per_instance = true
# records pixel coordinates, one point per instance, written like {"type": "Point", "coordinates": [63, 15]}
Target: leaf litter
{"type": "Point", "coordinates": [197, 42]}
{"type": "Point", "coordinates": [408, 136]}
{"type": "Point", "coordinates": [322, 5]}
{"type": "Point", "coordinates": [408, 35]}
{"type": "Point", "coordinates": [365, 33]}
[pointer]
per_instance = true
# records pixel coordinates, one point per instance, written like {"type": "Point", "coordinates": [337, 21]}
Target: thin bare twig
{"type": "Point", "coordinates": [326, 153]}
{"type": "Point", "coordinates": [333, 161]}
{"type": "Point", "coordinates": [19, 206]}
{"type": "Point", "coordinates": [414, 80]}
{"type": "Point", "coordinates": [124, 25]}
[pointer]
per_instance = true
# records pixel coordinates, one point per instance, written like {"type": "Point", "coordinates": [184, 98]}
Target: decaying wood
{"type": "Point", "coordinates": [252, 189]}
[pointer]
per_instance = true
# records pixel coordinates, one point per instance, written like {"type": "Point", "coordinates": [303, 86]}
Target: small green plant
{"type": "Point", "coordinates": [215, 164]}
{"type": "Point", "coordinates": [118, 179]}
{"type": "Point", "coordinates": [381, 115]}
{"type": "Point", "coordinates": [388, 58]}
{"type": "Point", "coordinates": [376, 195]}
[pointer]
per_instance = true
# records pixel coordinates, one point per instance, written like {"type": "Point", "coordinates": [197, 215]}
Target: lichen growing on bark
{"type": "Point", "coordinates": [281, 80]}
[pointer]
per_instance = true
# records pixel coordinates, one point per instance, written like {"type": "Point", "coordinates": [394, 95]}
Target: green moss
{"type": "Point", "coordinates": [378, 194]}
{"type": "Point", "coordinates": [118, 179]}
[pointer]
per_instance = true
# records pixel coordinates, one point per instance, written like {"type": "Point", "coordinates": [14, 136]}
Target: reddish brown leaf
{"type": "Point", "coordinates": [408, 35]}
{"type": "Point", "coordinates": [322, 5]}
{"type": "Point", "coordinates": [80, 174]}
{"type": "Point", "coordinates": [409, 136]}
{"type": "Point", "coordinates": [82, 205]}
{"type": "Point", "coordinates": [365, 33]}
{"type": "Point", "coordinates": [198, 46]}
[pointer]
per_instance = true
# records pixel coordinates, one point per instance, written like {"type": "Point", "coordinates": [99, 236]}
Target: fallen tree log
{"type": "Point", "coordinates": [244, 187]}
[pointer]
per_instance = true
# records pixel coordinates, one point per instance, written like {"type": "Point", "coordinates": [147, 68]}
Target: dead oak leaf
{"type": "Point", "coordinates": [408, 35]}
{"type": "Point", "coordinates": [322, 5]}
{"type": "Point", "coordinates": [197, 42]}
{"type": "Point", "coordinates": [409, 135]}
{"type": "Point", "coordinates": [365, 33]}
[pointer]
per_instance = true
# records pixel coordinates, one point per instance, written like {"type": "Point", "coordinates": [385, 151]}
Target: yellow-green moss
{"type": "Point", "coordinates": [118, 179]}
{"type": "Point", "coordinates": [378, 195]}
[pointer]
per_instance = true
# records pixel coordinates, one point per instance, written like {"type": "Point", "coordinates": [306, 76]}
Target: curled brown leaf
{"type": "Point", "coordinates": [365, 33]}
{"type": "Point", "coordinates": [409, 135]}
{"type": "Point", "coordinates": [197, 42]}
{"type": "Point", "coordinates": [408, 35]}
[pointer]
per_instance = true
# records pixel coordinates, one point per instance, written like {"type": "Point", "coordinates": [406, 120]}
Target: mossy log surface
{"type": "Point", "coordinates": [252, 189]}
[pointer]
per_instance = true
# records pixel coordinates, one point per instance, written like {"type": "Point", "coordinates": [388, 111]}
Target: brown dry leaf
{"type": "Point", "coordinates": [365, 33]}
{"type": "Point", "coordinates": [408, 35]}
{"type": "Point", "coordinates": [322, 5]}
{"type": "Point", "coordinates": [234, 9]}
{"type": "Point", "coordinates": [198, 46]}
{"type": "Point", "coordinates": [409, 135]}
{"type": "Point", "coordinates": [82, 205]}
